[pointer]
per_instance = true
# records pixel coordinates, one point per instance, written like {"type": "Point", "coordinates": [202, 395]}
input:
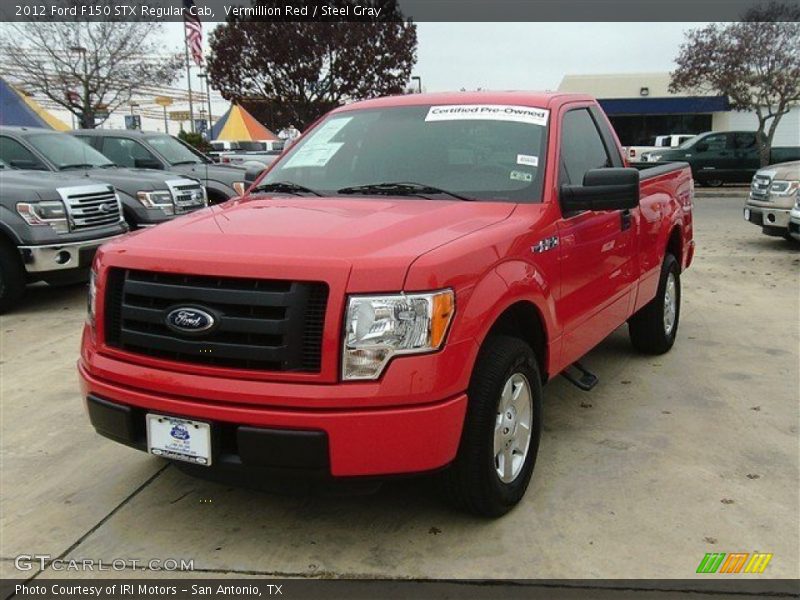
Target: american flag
{"type": "Point", "coordinates": [194, 31]}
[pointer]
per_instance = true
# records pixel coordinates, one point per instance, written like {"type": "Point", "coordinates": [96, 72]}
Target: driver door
{"type": "Point", "coordinates": [597, 247]}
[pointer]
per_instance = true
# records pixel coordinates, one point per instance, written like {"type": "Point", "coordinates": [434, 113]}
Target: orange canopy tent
{"type": "Point", "coordinates": [239, 125]}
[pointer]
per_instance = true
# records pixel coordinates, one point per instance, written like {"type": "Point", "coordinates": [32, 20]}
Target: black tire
{"type": "Point", "coordinates": [12, 277]}
{"type": "Point", "coordinates": [472, 482]}
{"type": "Point", "coordinates": [714, 183]}
{"type": "Point", "coordinates": [647, 328]}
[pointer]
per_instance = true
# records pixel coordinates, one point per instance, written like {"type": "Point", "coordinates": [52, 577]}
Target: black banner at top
{"type": "Point", "coordinates": [386, 10]}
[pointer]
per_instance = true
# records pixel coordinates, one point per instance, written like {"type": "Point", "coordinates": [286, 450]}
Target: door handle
{"type": "Point", "coordinates": [626, 218]}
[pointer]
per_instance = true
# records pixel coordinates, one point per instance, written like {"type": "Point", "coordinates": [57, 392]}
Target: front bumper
{"type": "Point", "coordinates": [357, 442]}
{"type": "Point", "coordinates": [767, 217]}
{"type": "Point", "coordinates": [61, 257]}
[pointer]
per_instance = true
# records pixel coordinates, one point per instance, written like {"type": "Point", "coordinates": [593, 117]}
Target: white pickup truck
{"type": "Point", "coordinates": [635, 154]}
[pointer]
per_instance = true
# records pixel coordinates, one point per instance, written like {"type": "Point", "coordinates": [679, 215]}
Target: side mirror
{"type": "Point", "coordinates": [147, 163]}
{"type": "Point", "coordinates": [700, 147]}
{"type": "Point", "coordinates": [603, 189]}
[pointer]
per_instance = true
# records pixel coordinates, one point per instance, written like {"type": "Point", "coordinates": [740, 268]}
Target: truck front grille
{"type": "Point", "coordinates": [188, 195]}
{"type": "Point", "coordinates": [271, 325]}
{"type": "Point", "coordinates": [759, 188]}
{"type": "Point", "coordinates": [91, 206]}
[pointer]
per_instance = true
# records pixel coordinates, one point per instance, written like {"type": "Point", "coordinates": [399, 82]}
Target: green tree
{"type": "Point", "coordinates": [293, 72]}
{"type": "Point", "coordinates": [755, 63]}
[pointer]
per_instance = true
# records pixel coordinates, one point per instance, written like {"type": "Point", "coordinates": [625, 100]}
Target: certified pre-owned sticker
{"type": "Point", "coordinates": [488, 112]}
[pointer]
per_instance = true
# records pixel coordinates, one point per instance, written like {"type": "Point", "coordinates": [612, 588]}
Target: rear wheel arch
{"type": "Point", "coordinates": [675, 245]}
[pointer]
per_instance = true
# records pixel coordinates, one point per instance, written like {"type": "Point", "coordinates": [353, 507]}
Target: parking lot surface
{"type": "Point", "coordinates": [666, 459]}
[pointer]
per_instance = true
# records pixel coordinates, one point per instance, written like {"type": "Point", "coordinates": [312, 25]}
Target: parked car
{"type": "Point", "coordinates": [722, 157]}
{"type": "Point", "coordinates": [635, 153]}
{"type": "Point", "coordinates": [392, 297]}
{"type": "Point", "coordinates": [253, 161]}
{"type": "Point", "coordinates": [50, 227]}
{"type": "Point", "coordinates": [252, 155]}
{"type": "Point", "coordinates": [153, 150]}
{"type": "Point", "coordinates": [148, 197]}
{"type": "Point", "coordinates": [773, 194]}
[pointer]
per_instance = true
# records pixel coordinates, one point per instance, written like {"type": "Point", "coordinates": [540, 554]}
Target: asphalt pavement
{"type": "Point", "coordinates": [668, 458]}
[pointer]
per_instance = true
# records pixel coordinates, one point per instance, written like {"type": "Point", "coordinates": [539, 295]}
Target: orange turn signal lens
{"type": "Point", "coordinates": [444, 305]}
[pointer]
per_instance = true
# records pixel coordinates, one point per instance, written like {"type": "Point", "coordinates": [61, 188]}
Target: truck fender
{"type": "Point", "coordinates": [505, 286]}
{"type": "Point", "coordinates": [6, 230]}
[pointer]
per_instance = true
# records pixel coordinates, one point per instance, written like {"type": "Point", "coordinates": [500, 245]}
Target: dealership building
{"type": "Point", "coordinates": [640, 106]}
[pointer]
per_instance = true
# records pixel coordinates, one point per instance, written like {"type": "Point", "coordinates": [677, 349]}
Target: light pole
{"type": "Point", "coordinates": [418, 79]}
{"type": "Point", "coordinates": [204, 76]}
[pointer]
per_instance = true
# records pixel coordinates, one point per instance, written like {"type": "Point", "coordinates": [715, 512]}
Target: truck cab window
{"type": "Point", "coordinates": [716, 142]}
{"type": "Point", "coordinates": [745, 140]}
{"type": "Point", "coordinates": [126, 153]}
{"type": "Point", "coordinates": [582, 148]}
{"type": "Point", "coordinates": [18, 156]}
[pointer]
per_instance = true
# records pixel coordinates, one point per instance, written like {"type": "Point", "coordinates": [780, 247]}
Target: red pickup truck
{"type": "Point", "coordinates": [390, 297]}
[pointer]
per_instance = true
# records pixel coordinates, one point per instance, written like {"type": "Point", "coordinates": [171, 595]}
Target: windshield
{"type": "Point", "coordinates": [485, 152]}
{"type": "Point", "coordinates": [67, 152]}
{"type": "Point", "coordinates": [174, 151]}
{"type": "Point", "coordinates": [3, 165]}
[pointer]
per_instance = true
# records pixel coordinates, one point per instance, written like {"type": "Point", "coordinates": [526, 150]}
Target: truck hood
{"type": "Point", "coordinates": [375, 239]}
{"type": "Point", "coordinates": [783, 171]}
{"type": "Point", "coordinates": [35, 185]}
{"type": "Point", "coordinates": [127, 180]}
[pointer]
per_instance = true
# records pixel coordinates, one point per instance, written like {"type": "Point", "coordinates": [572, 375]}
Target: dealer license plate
{"type": "Point", "coordinates": [179, 439]}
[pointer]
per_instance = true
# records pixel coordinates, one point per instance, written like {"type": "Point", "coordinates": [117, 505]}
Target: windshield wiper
{"type": "Point", "coordinates": [107, 165]}
{"type": "Point", "coordinates": [401, 188]}
{"type": "Point", "coordinates": [76, 166]}
{"type": "Point", "coordinates": [186, 162]}
{"type": "Point", "coordinates": [284, 187]}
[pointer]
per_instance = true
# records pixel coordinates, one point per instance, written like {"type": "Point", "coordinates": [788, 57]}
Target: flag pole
{"type": "Point", "coordinates": [189, 80]}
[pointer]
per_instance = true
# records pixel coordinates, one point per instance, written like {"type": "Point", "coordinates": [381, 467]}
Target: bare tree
{"type": "Point", "coordinates": [89, 68]}
{"type": "Point", "coordinates": [755, 63]}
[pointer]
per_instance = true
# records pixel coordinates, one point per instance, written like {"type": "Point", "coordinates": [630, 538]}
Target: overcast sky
{"type": "Point", "coordinates": [504, 56]}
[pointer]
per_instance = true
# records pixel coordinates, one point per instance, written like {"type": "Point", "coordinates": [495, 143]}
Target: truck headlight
{"type": "Point", "coordinates": [48, 212]}
{"type": "Point", "coordinates": [381, 327]}
{"type": "Point", "coordinates": [240, 187]}
{"type": "Point", "coordinates": [784, 188]}
{"type": "Point", "coordinates": [159, 199]}
{"type": "Point", "coordinates": [91, 301]}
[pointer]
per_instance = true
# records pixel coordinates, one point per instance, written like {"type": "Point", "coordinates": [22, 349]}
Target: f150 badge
{"type": "Point", "coordinates": [545, 244]}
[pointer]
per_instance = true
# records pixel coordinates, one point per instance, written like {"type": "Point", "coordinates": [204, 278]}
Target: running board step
{"type": "Point", "coordinates": [584, 379]}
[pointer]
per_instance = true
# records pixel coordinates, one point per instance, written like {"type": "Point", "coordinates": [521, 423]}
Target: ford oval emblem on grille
{"type": "Point", "coordinates": [188, 319]}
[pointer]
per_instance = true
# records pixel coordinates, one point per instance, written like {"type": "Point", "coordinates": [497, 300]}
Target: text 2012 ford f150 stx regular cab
{"type": "Point", "coordinates": [391, 296]}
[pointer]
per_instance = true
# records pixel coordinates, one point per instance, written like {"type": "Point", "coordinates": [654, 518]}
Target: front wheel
{"type": "Point", "coordinates": [502, 429]}
{"type": "Point", "coordinates": [12, 277]}
{"type": "Point", "coordinates": [653, 329]}
{"type": "Point", "coordinates": [714, 183]}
